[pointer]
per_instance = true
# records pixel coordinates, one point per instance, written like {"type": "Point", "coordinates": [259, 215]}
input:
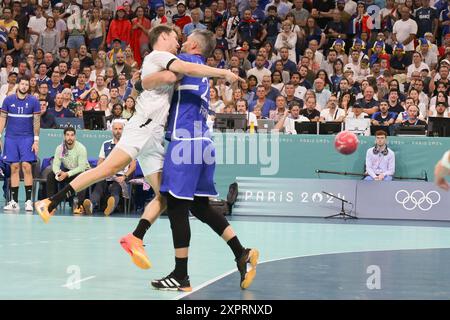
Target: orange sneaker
{"type": "Point", "coordinates": [135, 248]}
{"type": "Point", "coordinates": [42, 209]}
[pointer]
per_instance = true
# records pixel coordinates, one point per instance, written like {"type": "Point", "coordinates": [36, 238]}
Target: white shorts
{"type": "Point", "coordinates": [144, 143]}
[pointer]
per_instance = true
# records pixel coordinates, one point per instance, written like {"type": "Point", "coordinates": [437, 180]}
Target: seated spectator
{"type": "Point", "coordinates": [114, 97]}
{"type": "Point", "coordinates": [357, 112]}
{"type": "Point", "coordinates": [257, 111]}
{"type": "Point", "coordinates": [332, 112]}
{"type": "Point", "coordinates": [289, 118]}
{"type": "Point", "coordinates": [129, 108]}
{"type": "Point", "coordinates": [247, 93]}
{"type": "Point", "coordinates": [262, 101]}
{"type": "Point", "coordinates": [259, 71]}
{"type": "Point", "coordinates": [47, 119]}
{"type": "Point", "coordinates": [69, 161]}
{"type": "Point", "coordinates": [322, 94]}
{"type": "Point", "coordinates": [289, 93]}
{"type": "Point", "coordinates": [10, 87]}
{"type": "Point", "coordinates": [59, 111]}
{"type": "Point", "coordinates": [368, 102]}
{"type": "Point", "coordinates": [116, 114]}
{"type": "Point", "coordinates": [300, 89]}
{"type": "Point", "coordinates": [441, 111]}
{"type": "Point", "coordinates": [215, 104]}
{"type": "Point", "coordinates": [242, 108]}
{"type": "Point", "coordinates": [413, 117]}
{"type": "Point", "coordinates": [281, 108]}
{"type": "Point", "coordinates": [91, 99]}
{"type": "Point", "coordinates": [277, 81]}
{"type": "Point", "coordinates": [384, 117]}
{"type": "Point", "coordinates": [113, 187]}
{"type": "Point", "coordinates": [310, 110]}
{"type": "Point", "coordinates": [380, 160]}
{"type": "Point", "coordinates": [124, 87]}
{"type": "Point", "coordinates": [271, 92]}
{"type": "Point", "coordinates": [440, 95]}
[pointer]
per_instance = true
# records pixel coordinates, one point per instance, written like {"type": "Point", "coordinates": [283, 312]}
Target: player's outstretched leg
{"type": "Point", "coordinates": [246, 259]}
{"type": "Point", "coordinates": [115, 162]}
{"type": "Point", "coordinates": [132, 243]}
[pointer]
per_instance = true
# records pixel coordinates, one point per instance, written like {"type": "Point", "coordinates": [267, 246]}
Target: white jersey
{"type": "Point", "coordinates": [155, 104]}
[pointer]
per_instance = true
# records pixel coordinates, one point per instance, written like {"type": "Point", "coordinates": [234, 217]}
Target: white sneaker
{"type": "Point", "coordinates": [12, 206]}
{"type": "Point", "coordinates": [28, 205]}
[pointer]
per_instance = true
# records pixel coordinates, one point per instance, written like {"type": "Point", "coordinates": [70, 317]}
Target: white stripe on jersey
{"type": "Point", "coordinates": [20, 115]}
{"type": "Point", "coordinates": [188, 87]}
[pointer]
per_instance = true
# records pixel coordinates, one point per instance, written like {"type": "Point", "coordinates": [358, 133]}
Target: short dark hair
{"type": "Point", "coordinates": [272, 8]}
{"type": "Point", "coordinates": [207, 41]}
{"type": "Point", "coordinates": [380, 133]}
{"type": "Point", "coordinates": [72, 129]}
{"type": "Point", "coordinates": [156, 32]}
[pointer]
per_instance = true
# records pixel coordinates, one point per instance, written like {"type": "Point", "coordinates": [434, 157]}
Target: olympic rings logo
{"type": "Point", "coordinates": [417, 199]}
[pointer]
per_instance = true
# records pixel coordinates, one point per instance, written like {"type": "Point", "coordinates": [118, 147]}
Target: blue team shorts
{"type": "Point", "coordinates": [18, 149]}
{"type": "Point", "coordinates": [188, 169]}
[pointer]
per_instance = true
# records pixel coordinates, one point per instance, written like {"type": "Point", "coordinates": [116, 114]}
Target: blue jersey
{"type": "Point", "coordinates": [20, 115]}
{"type": "Point", "coordinates": [190, 106]}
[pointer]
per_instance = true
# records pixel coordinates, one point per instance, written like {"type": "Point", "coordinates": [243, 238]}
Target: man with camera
{"type": "Point", "coordinates": [380, 160]}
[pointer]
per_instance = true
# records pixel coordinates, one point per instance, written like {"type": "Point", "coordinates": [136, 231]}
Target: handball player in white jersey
{"type": "Point", "coordinates": [143, 136]}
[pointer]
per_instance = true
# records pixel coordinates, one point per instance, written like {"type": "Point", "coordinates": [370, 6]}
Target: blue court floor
{"type": "Point", "coordinates": [80, 258]}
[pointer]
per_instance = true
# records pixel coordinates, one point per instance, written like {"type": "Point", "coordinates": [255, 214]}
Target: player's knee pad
{"type": "Point", "coordinates": [178, 213]}
{"type": "Point", "coordinates": [205, 213]}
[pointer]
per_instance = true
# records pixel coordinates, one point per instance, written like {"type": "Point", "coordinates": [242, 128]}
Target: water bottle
{"type": "Point", "coordinates": [252, 127]}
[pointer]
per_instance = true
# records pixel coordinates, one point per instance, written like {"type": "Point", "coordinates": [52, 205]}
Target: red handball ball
{"type": "Point", "coordinates": [346, 142]}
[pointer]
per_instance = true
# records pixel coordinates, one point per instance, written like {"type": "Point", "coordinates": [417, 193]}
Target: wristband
{"type": "Point", "coordinates": [444, 161]}
{"type": "Point", "coordinates": [36, 138]}
{"type": "Point", "coordinates": [138, 86]}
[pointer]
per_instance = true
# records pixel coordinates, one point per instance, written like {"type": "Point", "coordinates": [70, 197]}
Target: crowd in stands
{"type": "Point", "coordinates": [303, 60]}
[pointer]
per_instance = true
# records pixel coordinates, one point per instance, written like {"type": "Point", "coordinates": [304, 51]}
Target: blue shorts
{"type": "Point", "coordinates": [75, 42]}
{"type": "Point", "coordinates": [18, 149]}
{"type": "Point", "coordinates": [188, 169]}
{"type": "Point", "coordinates": [95, 43]}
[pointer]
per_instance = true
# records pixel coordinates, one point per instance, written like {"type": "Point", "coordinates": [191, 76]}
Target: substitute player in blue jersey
{"type": "Point", "coordinates": [188, 171]}
{"type": "Point", "coordinates": [20, 116]}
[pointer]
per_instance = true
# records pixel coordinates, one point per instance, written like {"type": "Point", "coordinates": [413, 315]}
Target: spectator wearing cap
{"type": "Point", "coordinates": [160, 16]}
{"type": "Point", "coordinates": [426, 18]}
{"type": "Point", "coordinates": [120, 28]}
{"type": "Point", "coordinates": [430, 58]}
{"type": "Point", "coordinates": [242, 55]}
{"type": "Point", "coordinates": [399, 60]}
{"type": "Point", "coordinates": [180, 19]}
{"type": "Point", "coordinates": [251, 31]}
{"type": "Point", "coordinates": [405, 30]}
{"type": "Point", "coordinates": [357, 112]}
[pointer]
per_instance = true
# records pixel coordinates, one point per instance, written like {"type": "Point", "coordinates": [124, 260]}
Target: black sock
{"type": "Point", "coordinates": [28, 190]}
{"type": "Point", "coordinates": [180, 271]}
{"type": "Point", "coordinates": [236, 246]}
{"type": "Point", "coordinates": [15, 194]}
{"type": "Point", "coordinates": [66, 192]}
{"type": "Point", "coordinates": [141, 228]}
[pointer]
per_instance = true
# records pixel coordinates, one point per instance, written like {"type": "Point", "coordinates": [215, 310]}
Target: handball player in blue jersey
{"type": "Point", "coordinates": [20, 117]}
{"type": "Point", "coordinates": [188, 171]}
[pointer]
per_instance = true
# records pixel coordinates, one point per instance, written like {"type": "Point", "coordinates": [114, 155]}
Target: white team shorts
{"type": "Point", "coordinates": [144, 143]}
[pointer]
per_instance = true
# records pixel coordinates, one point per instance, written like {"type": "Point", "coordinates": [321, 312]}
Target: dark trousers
{"type": "Point", "coordinates": [53, 184]}
{"type": "Point", "coordinates": [104, 189]}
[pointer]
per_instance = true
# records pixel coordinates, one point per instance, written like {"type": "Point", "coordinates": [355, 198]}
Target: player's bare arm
{"type": "Point", "coordinates": [36, 130]}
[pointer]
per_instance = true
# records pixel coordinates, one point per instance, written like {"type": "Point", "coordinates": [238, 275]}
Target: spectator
{"type": "Point", "coordinates": [405, 30]}
{"type": "Point", "coordinates": [281, 108]}
{"type": "Point", "coordinates": [36, 26]}
{"type": "Point", "coordinates": [140, 28]}
{"type": "Point", "coordinates": [91, 100]}
{"type": "Point", "coordinates": [59, 111]}
{"type": "Point", "coordinates": [259, 71]}
{"type": "Point", "coordinates": [368, 102]}
{"type": "Point", "coordinates": [322, 94]}
{"type": "Point", "coordinates": [310, 110]}
{"type": "Point", "coordinates": [272, 24]}
{"type": "Point", "coordinates": [413, 117]}
{"type": "Point", "coordinates": [289, 118]}
{"type": "Point", "coordinates": [277, 81]}
{"type": "Point", "coordinates": [49, 39]}
{"type": "Point", "coordinates": [96, 32]}
{"type": "Point", "coordinates": [426, 18]}
{"type": "Point", "coordinates": [54, 86]}
{"type": "Point", "coordinates": [287, 39]}
{"type": "Point", "coordinates": [251, 31]}
{"type": "Point", "coordinates": [76, 27]}
{"type": "Point", "coordinates": [384, 117]}
{"type": "Point", "coordinates": [441, 110]}
{"type": "Point", "coordinates": [129, 108]}
{"type": "Point", "coordinates": [120, 67]}
{"type": "Point", "coordinates": [299, 12]}
{"type": "Point", "coordinates": [120, 29]}
{"type": "Point", "coordinates": [114, 186]}
{"type": "Point", "coordinates": [14, 44]}
{"type": "Point", "coordinates": [357, 112]}
{"type": "Point", "coordinates": [7, 68]}
{"type": "Point", "coordinates": [116, 114]}
{"type": "Point", "coordinates": [180, 19]}
{"type": "Point", "coordinates": [332, 112]}
{"type": "Point", "coordinates": [69, 161]}
{"type": "Point", "coordinates": [262, 101]}
{"type": "Point", "coordinates": [47, 119]}
{"type": "Point", "coordinates": [242, 108]}
{"type": "Point", "coordinates": [215, 104]}
{"type": "Point", "coordinates": [380, 160]}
